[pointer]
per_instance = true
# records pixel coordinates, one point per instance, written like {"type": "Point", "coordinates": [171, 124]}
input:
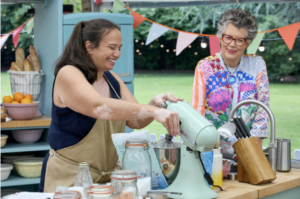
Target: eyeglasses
{"type": "Point", "coordinates": [238, 41]}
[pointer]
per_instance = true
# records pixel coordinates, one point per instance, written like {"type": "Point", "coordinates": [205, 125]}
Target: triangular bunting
{"type": "Point", "coordinates": [118, 5]}
{"type": "Point", "coordinates": [98, 2]}
{"type": "Point", "coordinates": [214, 45]}
{"type": "Point", "coordinates": [155, 32]}
{"type": "Point", "coordinates": [255, 43]}
{"type": "Point", "coordinates": [183, 40]}
{"type": "Point", "coordinates": [16, 35]}
{"type": "Point", "coordinates": [289, 34]}
{"type": "Point", "coordinates": [29, 26]}
{"type": "Point", "coordinates": [3, 40]}
{"type": "Point", "coordinates": [138, 19]}
{"type": "Point", "coordinates": [106, 10]}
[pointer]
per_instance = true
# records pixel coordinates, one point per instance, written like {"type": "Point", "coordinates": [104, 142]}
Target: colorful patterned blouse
{"type": "Point", "coordinates": [215, 98]}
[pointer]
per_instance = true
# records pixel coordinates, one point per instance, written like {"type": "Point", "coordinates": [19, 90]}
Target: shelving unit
{"type": "Point", "coordinates": [41, 147]}
{"type": "Point", "coordinates": [51, 31]}
{"type": "Point", "coordinates": [16, 180]}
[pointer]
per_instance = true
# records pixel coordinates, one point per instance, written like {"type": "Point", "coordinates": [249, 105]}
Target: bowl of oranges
{"type": "Point", "coordinates": [20, 107]}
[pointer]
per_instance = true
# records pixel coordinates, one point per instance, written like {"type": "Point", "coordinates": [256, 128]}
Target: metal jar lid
{"type": "Point", "coordinates": [124, 175]}
{"type": "Point", "coordinates": [166, 143]}
{"type": "Point", "coordinates": [136, 142]}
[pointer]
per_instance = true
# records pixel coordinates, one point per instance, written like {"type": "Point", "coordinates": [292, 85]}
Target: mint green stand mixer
{"type": "Point", "coordinates": [198, 135]}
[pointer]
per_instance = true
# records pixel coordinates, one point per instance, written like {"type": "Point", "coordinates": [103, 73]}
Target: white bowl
{"type": "Point", "coordinates": [29, 167]}
{"type": "Point", "coordinates": [27, 136]}
{"type": "Point", "coordinates": [3, 139]}
{"type": "Point", "coordinates": [5, 171]}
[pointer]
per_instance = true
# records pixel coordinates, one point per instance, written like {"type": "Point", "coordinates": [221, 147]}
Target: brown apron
{"type": "Point", "coordinates": [96, 148]}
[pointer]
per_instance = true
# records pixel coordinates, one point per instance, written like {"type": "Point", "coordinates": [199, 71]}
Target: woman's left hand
{"type": "Point", "coordinates": [162, 98]}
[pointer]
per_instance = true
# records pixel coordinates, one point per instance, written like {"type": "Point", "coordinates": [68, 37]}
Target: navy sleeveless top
{"type": "Point", "coordinates": [68, 127]}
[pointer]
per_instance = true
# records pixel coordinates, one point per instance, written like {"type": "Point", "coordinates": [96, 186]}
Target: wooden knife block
{"type": "Point", "coordinates": [253, 166]}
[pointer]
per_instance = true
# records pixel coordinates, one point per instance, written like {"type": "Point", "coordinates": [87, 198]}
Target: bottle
{"type": "Point", "coordinates": [83, 178]}
{"type": "Point", "coordinates": [217, 168]}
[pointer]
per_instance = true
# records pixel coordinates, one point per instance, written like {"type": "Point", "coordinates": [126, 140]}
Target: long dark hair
{"type": "Point", "coordinates": [75, 52]}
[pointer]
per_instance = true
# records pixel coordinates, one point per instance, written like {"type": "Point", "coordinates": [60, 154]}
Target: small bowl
{"type": "Point", "coordinates": [3, 139]}
{"type": "Point", "coordinates": [29, 167]}
{"type": "Point", "coordinates": [27, 136]}
{"type": "Point", "coordinates": [5, 171]}
{"type": "Point", "coordinates": [21, 111]}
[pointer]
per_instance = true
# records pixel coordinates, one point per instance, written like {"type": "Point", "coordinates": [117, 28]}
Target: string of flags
{"type": "Point", "coordinates": [184, 39]}
{"type": "Point", "coordinates": [16, 33]}
{"type": "Point", "coordinates": [288, 33]}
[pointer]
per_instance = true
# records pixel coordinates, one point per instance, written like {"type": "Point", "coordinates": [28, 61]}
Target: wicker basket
{"type": "Point", "coordinates": [28, 82]}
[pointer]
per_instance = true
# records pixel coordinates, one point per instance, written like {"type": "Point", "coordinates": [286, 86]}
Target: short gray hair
{"type": "Point", "coordinates": [240, 19]}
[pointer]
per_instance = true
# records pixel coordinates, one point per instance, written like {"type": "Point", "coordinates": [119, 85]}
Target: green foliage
{"type": "Point", "coordinates": [76, 5]}
{"type": "Point", "coordinates": [11, 18]}
{"type": "Point", "coordinates": [203, 19]}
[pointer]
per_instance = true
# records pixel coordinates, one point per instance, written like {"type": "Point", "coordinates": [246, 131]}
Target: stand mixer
{"type": "Point", "coordinates": [198, 135]}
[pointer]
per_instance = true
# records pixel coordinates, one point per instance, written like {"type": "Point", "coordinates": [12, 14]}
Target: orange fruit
{"type": "Point", "coordinates": [18, 96]}
{"type": "Point", "coordinates": [15, 102]}
{"type": "Point", "coordinates": [26, 101]}
{"type": "Point", "coordinates": [7, 99]}
{"type": "Point", "coordinates": [28, 96]}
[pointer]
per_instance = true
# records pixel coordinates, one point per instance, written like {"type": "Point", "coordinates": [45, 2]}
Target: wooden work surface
{"type": "Point", "coordinates": [38, 121]}
{"type": "Point", "coordinates": [283, 182]}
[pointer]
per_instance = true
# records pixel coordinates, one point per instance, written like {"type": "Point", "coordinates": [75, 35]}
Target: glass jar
{"type": "Point", "coordinates": [83, 178]}
{"type": "Point", "coordinates": [137, 158]}
{"type": "Point", "coordinates": [101, 192]}
{"type": "Point", "coordinates": [68, 194]}
{"type": "Point", "coordinates": [124, 183]}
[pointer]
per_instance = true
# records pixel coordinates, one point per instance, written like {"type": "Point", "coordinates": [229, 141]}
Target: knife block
{"type": "Point", "coordinates": [253, 166]}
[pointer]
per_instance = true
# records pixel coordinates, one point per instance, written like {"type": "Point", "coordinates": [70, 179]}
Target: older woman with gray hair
{"type": "Point", "coordinates": [226, 78]}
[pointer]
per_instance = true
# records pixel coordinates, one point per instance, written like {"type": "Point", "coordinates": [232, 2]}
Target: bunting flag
{"type": "Point", "coordinates": [3, 40]}
{"type": "Point", "coordinates": [29, 26]}
{"type": "Point", "coordinates": [106, 10]}
{"type": "Point", "coordinates": [289, 34]}
{"type": "Point", "coordinates": [138, 19]}
{"type": "Point", "coordinates": [16, 35]}
{"type": "Point", "coordinates": [183, 40]}
{"type": "Point", "coordinates": [155, 32]}
{"type": "Point", "coordinates": [98, 2]}
{"type": "Point", "coordinates": [255, 43]}
{"type": "Point", "coordinates": [118, 5]}
{"type": "Point", "coordinates": [214, 45]}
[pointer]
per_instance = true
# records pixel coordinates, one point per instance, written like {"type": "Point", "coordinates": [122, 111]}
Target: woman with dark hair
{"type": "Point", "coordinates": [90, 102]}
{"type": "Point", "coordinates": [231, 76]}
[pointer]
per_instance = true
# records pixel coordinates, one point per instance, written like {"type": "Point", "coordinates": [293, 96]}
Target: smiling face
{"type": "Point", "coordinates": [231, 53]}
{"type": "Point", "coordinates": [108, 51]}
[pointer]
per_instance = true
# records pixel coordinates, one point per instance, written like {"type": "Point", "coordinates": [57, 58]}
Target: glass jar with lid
{"type": "Point", "coordinates": [137, 158]}
{"type": "Point", "coordinates": [101, 192]}
{"type": "Point", "coordinates": [68, 194]}
{"type": "Point", "coordinates": [124, 183]}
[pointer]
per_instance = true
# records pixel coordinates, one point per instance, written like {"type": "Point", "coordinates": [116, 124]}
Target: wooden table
{"type": "Point", "coordinates": [35, 122]}
{"type": "Point", "coordinates": [285, 186]}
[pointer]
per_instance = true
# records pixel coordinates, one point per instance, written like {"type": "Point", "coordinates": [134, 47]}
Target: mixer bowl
{"type": "Point", "coordinates": [169, 160]}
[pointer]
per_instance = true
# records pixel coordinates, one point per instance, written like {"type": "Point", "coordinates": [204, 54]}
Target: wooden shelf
{"type": "Point", "coordinates": [17, 147]}
{"type": "Point", "coordinates": [39, 122]}
{"type": "Point", "coordinates": [15, 180]}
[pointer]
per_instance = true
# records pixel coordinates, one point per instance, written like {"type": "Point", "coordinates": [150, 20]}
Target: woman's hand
{"type": "Point", "coordinates": [162, 98]}
{"type": "Point", "coordinates": [169, 119]}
